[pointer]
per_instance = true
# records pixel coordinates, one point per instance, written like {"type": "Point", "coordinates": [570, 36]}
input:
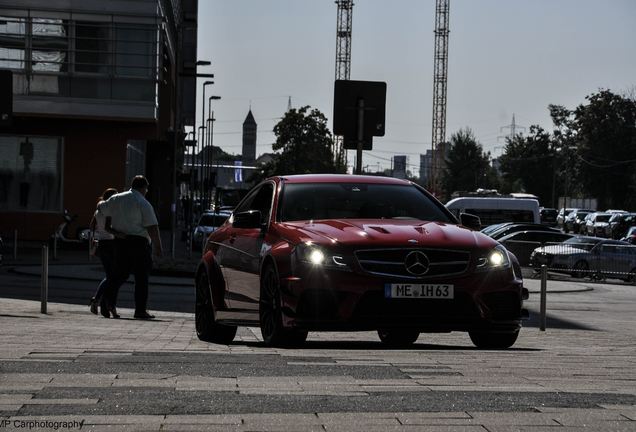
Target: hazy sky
{"type": "Point", "coordinates": [505, 57]}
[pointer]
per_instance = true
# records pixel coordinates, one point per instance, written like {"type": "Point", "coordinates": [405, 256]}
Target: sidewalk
{"type": "Point", "coordinates": [76, 264]}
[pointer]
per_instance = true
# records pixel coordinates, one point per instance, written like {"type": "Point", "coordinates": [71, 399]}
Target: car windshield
{"type": "Point", "coordinates": [314, 201]}
{"type": "Point", "coordinates": [585, 243]}
{"type": "Point", "coordinates": [603, 218]}
{"type": "Point", "coordinates": [212, 220]}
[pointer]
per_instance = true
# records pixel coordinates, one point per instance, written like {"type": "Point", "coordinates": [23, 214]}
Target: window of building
{"type": "Point", "coordinates": [30, 173]}
{"type": "Point", "coordinates": [12, 42]}
{"type": "Point", "coordinates": [81, 59]}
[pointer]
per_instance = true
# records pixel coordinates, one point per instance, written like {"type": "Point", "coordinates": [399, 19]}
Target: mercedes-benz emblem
{"type": "Point", "coordinates": [416, 263]}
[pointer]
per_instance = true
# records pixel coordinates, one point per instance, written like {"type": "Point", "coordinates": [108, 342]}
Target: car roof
{"type": "Point", "coordinates": [342, 178]}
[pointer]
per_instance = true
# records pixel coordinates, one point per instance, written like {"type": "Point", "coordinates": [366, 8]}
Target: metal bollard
{"type": "Point", "coordinates": [15, 245]}
{"type": "Point", "coordinates": [44, 292]}
{"type": "Point", "coordinates": [544, 290]}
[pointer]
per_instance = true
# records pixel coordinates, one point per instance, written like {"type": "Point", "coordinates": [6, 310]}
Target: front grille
{"type": "Point", "coordinates": [391, 262]}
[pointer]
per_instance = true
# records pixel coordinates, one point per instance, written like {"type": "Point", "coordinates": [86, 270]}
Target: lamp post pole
{"type": "Point", "coordinates": [210, 151]}
{"type": "Point", "coordinates": [203, 157]}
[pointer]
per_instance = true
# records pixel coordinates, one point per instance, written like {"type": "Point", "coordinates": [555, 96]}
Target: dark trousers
{"type": "Point", "coordinates": [133, 255]}
{"type": "Point", "coordinates": [106, 253]}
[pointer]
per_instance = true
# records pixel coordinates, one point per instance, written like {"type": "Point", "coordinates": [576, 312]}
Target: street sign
{"type": "Point", "coordinates": [348, 98]}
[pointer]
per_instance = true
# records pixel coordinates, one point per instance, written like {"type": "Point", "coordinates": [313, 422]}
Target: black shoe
{"type": "Point", "coordinates": [144, 315]}
{"type": "Point", "coordinates": [103, 309]}
{"type": "Point", "coordinates": [113, 312]}
{"type": "Point", "coordinates": [93, 305]}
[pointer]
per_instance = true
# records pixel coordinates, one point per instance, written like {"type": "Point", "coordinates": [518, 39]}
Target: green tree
{"type": "Point", "coordinates": [304, 144]}
{"type": "Point", "coordinates": [530, 162]}
{"type": "Point", "coordinates": [467, 166]}
{"type": "Point", "coordinates": [606, 140]}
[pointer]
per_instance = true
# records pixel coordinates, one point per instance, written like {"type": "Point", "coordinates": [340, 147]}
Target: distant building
{"type": "Point", "coordinates": [426, 162]}
{"type": "Point", "coordinates": [399, 166]}
{"type": "Point", "coordinates": [249, 140]}
{"type": "Point", "coordinates": [102, 91]}
{"type": "Point", "coordinates": [265, 158]}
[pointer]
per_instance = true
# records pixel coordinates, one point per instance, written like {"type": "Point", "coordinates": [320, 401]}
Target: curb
{"type": "Point", "coordinates": [21, 271]}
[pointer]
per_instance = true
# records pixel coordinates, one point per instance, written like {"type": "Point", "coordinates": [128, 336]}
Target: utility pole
{"type": "Point", "coordinates": [513, 127]}
{"type": "Point", "coordinates": [440, 79]}
{"type": "Point", "coordinates": [343, 63]}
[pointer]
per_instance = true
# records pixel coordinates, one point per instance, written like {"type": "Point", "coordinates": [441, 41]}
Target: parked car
{"type": "Point", "coordinates": [340, 252]}
{"type": "Point", "coordinates": [619, 223]}
{"type": "Point", "coordinates": [492, 210]}
{"type": "Point", "coordinates": [583, 256]}
{"type": "Point", "coordinates": [630, 236]}
{"type": "Point", "coordinates": [522, 243]}
{"type": "Point", "coordinates": [208, 222]}
{"type": "Point", "coordinates": [491, 228]}
{"type": "Point", "coordinates": [574, 219]}
{"type": "Point", "coordinates": [509, 229]}
{"type": "Point", "coordinates": [596, 223]}
{"type": "Point", "coordinates": [548, 216]}
{"type": "Point", "coordinates": [563, 213]}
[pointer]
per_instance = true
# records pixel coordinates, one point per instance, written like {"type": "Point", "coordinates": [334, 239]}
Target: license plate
{"type": "Point", "coordinates": [427, 291]}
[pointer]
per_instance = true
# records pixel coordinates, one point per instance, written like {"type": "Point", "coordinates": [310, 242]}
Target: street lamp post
{"type": "Point", "coordinates": [205, 84]}
{"type": "Point", "coordinates": [210, 151]}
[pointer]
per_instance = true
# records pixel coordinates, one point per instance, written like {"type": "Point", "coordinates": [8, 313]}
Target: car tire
{"type": "Point", "coordinates": [398, 337]}
{"type": "Point", "coordinates": [207, 328]}
{"type": "Point", "coordinates": [581, 269]}
{"type": "Point", "coordinates": [492, 340]}
{"type": "Point", "coordinates": [271, 314]}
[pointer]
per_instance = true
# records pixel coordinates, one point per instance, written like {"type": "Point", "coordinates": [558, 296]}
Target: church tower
{"type": "Point", "coordinates": [249, 140]}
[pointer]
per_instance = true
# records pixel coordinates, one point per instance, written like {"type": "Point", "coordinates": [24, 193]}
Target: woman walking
{"type": "Point", "coordinates": [106, 253]}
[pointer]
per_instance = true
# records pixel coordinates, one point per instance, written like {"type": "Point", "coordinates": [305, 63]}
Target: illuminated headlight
{"type": "Point", "coordinates": [495, 259]}
{"type": "Point", "coordinates": [317, 256]}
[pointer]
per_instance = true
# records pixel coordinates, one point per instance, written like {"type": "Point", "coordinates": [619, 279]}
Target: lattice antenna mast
{"type": "Point", "coordinates": [343, 61]}
{"type": "Point", "coordinates": [440, 80]}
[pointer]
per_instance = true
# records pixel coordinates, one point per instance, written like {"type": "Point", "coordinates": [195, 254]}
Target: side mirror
{"type": "Point", "coordinates": [249, 219]}
{"type": "Point", "coordinates": [470, 221]}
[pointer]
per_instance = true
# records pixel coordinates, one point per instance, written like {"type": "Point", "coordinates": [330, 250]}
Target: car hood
{"type": "Point", "coordinates": [561, 250]}
{"type": "Point", "coordinates": [391, 233]}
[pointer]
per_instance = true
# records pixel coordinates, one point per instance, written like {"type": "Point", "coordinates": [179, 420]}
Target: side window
{"type": "Point", "coordinates": [259, 199]}
{"type": "Point", "coordinates": [263, 201]}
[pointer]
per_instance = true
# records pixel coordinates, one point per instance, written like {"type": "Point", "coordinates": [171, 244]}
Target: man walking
{"type": "Point", "coordinates": [135, 225]}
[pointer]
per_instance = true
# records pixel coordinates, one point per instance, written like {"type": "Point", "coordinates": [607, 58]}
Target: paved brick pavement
{"type": "Point", "coordinates": [70, 366]}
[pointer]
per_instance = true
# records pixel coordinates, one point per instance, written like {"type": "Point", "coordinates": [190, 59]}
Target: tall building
{"type": "Point", "coordinates": [426, 164]}
{"type": "Point", "coordinates": [399, 166]}
{"type": "Point", "coordinates": [102, 91]}
{"type": "Point", "coordinates": [249, 140]}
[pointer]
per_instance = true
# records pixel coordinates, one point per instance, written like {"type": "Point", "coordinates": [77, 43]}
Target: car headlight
{"type": "Point", "coordinates": [319, 256]}
{"type": "Point", "coordinates": [495, 259]}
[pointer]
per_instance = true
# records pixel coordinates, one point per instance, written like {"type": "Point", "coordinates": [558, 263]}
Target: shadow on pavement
{"type": "Point", "coordinates": [556, 323]}
{"type": "Point", "coordinates": [370, 345]}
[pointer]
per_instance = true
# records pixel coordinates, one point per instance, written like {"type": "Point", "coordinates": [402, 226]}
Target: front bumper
{"type": "Point", "coordinates": [319, 299]}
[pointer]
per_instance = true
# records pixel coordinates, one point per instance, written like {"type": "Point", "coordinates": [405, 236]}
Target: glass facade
{"type": "Point", "coordinates": [80, 58]}
{"type": "Point", "coordinates": [30, 173]}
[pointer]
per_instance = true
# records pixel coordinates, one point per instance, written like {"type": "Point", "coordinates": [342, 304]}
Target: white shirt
{"type": "Point", "coordinates": [130, 213]}
{"type": "Point", "coordinates": [100, 226]}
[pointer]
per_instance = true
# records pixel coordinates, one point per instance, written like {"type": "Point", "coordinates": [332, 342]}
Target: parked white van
{"type": "Point", "coordinates": [491, 210]}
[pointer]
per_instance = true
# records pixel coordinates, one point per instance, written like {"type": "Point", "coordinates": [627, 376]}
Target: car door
{"type": "Point", "coordinates": [247, 247]}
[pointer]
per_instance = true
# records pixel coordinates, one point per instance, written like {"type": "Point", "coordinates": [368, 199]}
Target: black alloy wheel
{"type": "Point", "coordinates": [207, 328]}
{"type": "Point", "coordinates": [493, 340]}
{"type": "Point", "coordinates": [398, 338]}
{"type": "Point", "coordinates": [271, 316]}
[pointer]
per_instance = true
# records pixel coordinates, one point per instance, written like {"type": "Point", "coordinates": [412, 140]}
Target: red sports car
{"type": "Point", "coordinates": [341, 252]}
